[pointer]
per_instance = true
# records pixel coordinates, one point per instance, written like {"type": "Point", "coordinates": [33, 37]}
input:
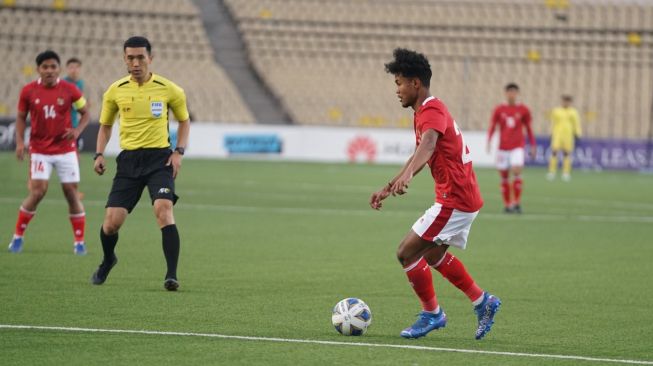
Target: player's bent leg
{"type": "Point", "coordinates": [169, 241]}
{"type": "Point", "coordinates": [113, 219]}
{"type": "Point", "coordinates": [410, 255]}
{"type": "Point", "coordinates": [38, 189]}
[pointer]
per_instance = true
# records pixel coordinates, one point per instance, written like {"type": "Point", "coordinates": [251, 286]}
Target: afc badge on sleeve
{"type": "Point", "coordinates": [156, 108]}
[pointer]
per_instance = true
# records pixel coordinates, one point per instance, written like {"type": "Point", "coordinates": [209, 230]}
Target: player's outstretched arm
{"type": "Point", "coordinates": [20, 135]}
{"type": "Point", "coordinates": [103, 136]}
{"type": "Point", "coordinates": [383, 193]}
{"type": "Point", "coordinates": [422, 155]}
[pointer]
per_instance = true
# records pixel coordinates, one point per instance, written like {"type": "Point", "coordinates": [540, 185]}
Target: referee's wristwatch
{"type": "Point", "coordinates": [97, 155]}
{"type": "Point", "coordinates": [180, 150]}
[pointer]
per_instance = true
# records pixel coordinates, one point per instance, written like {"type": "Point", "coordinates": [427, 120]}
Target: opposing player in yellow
{"type": "Point", "coordinates": [565, 129]}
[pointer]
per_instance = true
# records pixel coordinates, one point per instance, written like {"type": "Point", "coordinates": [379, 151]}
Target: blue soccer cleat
{"type": "Point", "coordinates": [425, 323]}
{"type": "Point", "coordinates": [485, 312]}
{"type": "Point", "coordinates": [16, 245]}
{"type": "Point", "coordinates": [80, 248]}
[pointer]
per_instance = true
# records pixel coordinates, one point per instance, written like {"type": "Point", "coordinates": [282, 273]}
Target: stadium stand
{"type": "Point", "coordinates": [324, 61]}
{"type": "Point", "coordinates": [94, 31]}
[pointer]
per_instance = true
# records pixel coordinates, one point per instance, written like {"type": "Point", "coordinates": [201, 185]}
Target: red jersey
{"type": "Point", "coordinates": [512, 119]}
{"type": "Point", "coordinates": [49, 110]}
{"type": "Point", "coordinates": [451, 166]}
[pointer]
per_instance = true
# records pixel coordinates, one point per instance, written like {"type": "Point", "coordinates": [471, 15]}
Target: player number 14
{"type": "Point", "coordinates": [49, 111]}
{"type": "Point", "coordinates": [464, 154]}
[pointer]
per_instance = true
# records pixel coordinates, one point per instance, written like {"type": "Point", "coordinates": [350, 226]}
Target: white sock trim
{"type": "Point", "coordinates": [478, 301]}
{"type": "Point", "coordinates": [436, 311]}
{"type": "Point", "coordinates": [27, 211]}
{"type": "Point", "coordinates": [81, 214]}
{"type": "Point", "coordinates": [410, 267]}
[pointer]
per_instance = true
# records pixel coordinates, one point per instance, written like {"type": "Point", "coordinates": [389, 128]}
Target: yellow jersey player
{"type": "Point", "coordinates": [142, 99]}
{"type": "Point", "coordinates": [565, 129]}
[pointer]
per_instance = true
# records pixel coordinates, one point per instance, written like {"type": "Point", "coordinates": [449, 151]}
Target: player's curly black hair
{"type": "Point", "coordinates": [410, 64]}
{"type": "Point", "coordinates": [47, 55]}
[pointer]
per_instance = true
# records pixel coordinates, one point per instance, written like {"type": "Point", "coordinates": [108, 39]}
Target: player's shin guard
{"type": "Point", "coordinates": [453, 270]}
{"type": "Point", "coordinates": [505, 187]}
{"type": "Point", "coordinates": [78, 222]}
{"type": "Point", "coordinates": [421, 279]}
{"type": "Point", "coordinates": [108, 245]}
{"type": "Point", "coordinates": [517, 188]}
{"type": "Point", "coordinates": [170, 240]}
{"type": "Point", "coordinates": [24, 217]}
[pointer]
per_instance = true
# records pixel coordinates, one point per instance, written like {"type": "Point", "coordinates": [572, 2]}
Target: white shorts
{"type": "Point", "coordinates": [67, 166]}
{"type": "Point", "coordinates": [510, 158]}
{"type": "Point", "coordinates": [444, 225]}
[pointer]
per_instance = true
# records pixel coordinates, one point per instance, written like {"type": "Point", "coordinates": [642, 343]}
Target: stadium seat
{"type": "Point", "coordinates": [90, 30]}
{"type": "Point", "coordinates": [580, 47]}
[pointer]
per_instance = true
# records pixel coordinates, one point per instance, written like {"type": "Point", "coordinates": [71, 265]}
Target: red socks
{"type": "Point", "coordinates": [516, 187]}
{"type": "Point", "coordinates": [453, 270]}
{"type": "Point", "coordinates": [78, 221]}
{"type": "Point", "coordinates": [420, 277]}
{"type": "Point", "coordinates": [24, 217]}
{"type": "Point", "coordinates": [505, 187]}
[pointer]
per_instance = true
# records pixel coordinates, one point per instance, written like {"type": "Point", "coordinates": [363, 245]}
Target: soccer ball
{"type": "Point", "coordinates": [351, 316]}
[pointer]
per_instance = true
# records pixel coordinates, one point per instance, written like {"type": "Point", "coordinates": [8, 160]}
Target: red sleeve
{"type": "Point", "coordinates": [529, 130]}
{"type": "Point", "coordinates": [493, 123]}
{"type": "Point", "coordinates": [432, 119]}
{"type": "Point", "coordinates": [23, 100]}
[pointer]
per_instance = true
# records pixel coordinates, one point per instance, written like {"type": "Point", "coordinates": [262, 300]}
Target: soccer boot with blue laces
{"type": "Point", "coordinates": [426, 322]}
{"type": "Point", "coordinates": [485, 311]}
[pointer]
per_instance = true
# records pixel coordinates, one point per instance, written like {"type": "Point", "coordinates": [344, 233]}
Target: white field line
{"type": "Point", "coordinates": [327, 343]}
{"type": "Point", "coordinates": [369, 212]}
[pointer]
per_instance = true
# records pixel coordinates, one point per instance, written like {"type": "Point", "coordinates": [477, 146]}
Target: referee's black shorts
{"type": "Point", "coordinates": [137, 169]}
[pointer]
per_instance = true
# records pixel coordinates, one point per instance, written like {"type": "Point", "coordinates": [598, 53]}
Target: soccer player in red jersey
{"type": "Point", "coordinates": [512, 118]}
{"type": "Point", "coordinates": [440, 145]}
{"type": "Point", "coordinates": [52, 144]}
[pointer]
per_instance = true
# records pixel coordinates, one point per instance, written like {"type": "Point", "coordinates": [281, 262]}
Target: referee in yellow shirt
{"type": "Point", "coordinates": [565, 129]}
{"type": "Point", "coordinates": [142, 99]}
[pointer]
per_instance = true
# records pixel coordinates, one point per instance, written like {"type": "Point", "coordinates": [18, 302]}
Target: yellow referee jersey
{"type": "Point", "coordinates": [565, 123]}
{"type": "Point", "coordinates": [143, 110]}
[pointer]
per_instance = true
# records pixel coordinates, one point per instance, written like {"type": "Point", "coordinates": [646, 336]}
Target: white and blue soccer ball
{"type": "Point", "coordinates": [351, 316]}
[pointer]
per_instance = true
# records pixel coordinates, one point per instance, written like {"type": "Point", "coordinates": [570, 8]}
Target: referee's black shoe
{"type": "Point", "coordinates": [171, 284]}
{"type": "Point", "coordinates": [102, 272]}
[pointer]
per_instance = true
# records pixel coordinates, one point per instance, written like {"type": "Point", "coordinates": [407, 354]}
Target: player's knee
{"type": "Point", "coordinates": [71, 193]}
{"type": "Point", "coordinates": [403, 256]}
{"type": "Point", "coordinates": [38, 192]}
{"type": "Point", "coordinates": [110, 227]}
{"type": "Point", "coordinates": [113, 221]}
{"type": "Point", "coordinates": [163, 212]}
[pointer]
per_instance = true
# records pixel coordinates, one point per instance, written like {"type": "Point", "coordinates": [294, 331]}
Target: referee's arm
{"type": "Point", "coordinates": [178, 105]}
{"type": "Point", "coordinates": [107, 117]}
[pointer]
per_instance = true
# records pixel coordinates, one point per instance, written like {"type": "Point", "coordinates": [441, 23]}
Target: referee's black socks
{"type": "Point", "coordinates": [108, 245]}
{"type": "Point", "coordinates": [170, 240]}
